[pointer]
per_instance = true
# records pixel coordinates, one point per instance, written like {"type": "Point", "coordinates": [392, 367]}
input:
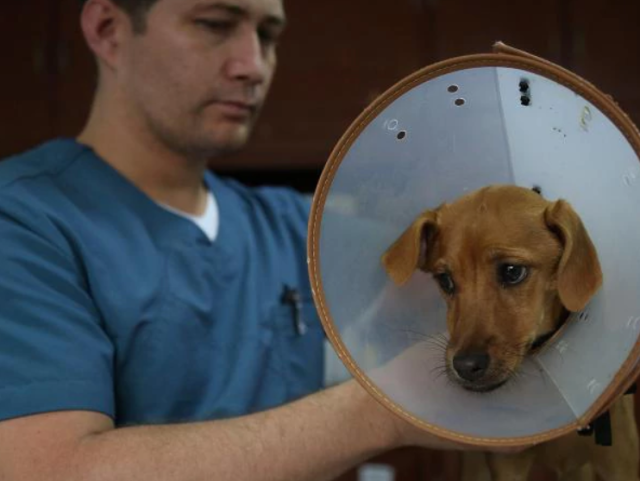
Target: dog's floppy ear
{"type": "Point", "coordinates": [579, 272]}
{"type": "Point", "coordinates": [409, 251]}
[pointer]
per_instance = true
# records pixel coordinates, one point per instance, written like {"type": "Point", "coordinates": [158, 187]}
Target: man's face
{"type": "Point", "coordinates": [199, 73]}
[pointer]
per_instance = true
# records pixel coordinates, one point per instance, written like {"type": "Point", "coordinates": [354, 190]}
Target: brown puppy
{"type": "Point", "coordinates": [510, 265]}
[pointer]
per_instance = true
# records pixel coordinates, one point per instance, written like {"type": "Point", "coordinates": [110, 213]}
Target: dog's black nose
{"type": "Point", "coordinates": [471, 366]}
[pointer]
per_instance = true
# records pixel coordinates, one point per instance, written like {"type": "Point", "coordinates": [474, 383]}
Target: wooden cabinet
{"type": "Point", "coordinates": [76, 72]}
{"type": "Point", "coordinates": [335, 58]}
{"type": "Point", "coordinates": [605, 49]}
{"type": "Point", "coordinates": [461, 27]}
{"type": "Point", "coordinates": [26, 83]}
{"type": "Point", "coordinates": [48, 77]}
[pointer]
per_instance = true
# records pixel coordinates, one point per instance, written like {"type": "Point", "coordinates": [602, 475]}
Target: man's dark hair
{"type": "Point", "coordinates": [137, 11]}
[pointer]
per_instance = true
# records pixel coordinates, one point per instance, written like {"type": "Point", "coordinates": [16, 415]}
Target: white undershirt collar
{"type": "Point", "coordinates": [208, 222]}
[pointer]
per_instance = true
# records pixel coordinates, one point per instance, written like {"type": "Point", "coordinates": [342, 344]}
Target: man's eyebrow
{"type": "Point", "coordinates": [240, 12]}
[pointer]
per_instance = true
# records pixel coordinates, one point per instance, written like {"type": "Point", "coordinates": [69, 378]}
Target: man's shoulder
{"type": "Point", "coordinates": [273, 198]}
{"type": "Point", "coordinates": [262, 210]}
{"type": "Point", "coordinates": [30, 191]}
{"type": "Point", "coordinates": [45, 160]}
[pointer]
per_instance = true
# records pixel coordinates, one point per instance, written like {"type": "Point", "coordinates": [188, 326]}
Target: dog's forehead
{"type": "Point", "coordinates": [504, 196]}
{"type": "Point", "coordinates": [501, 215]}
{"type": "Point", "coordinates": [505, 204]}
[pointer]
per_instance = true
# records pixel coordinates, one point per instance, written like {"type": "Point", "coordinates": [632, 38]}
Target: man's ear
{"type": "Point", "coordinates": [409, 251]}
{"type": "Point", "coordinates": [103, 24]}
{"type": "Point", "coordinates": [579, 272]}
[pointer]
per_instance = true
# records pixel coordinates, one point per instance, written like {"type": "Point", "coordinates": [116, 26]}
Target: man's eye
{"type": "Point", "coordinates": [268, 37]}
{"type": "Point", "coordinates": [512, 274]}
{"type": "Point", "coordinates": [218, 26]}
{"type": "Point", "coordinates": [446, 283]}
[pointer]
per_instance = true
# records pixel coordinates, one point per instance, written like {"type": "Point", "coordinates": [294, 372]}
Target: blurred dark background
{"type": "Point", "coordinates": [335, 58]}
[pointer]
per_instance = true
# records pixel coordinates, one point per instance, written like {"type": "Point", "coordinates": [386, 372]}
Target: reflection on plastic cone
{"type": "Point", "coordinates": [374, 185]}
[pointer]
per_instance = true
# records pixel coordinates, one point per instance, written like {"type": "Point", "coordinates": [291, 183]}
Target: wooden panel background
{"type": "Point", "coordinates": [336, 57]}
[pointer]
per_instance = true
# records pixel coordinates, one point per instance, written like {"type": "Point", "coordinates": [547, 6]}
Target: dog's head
{"type": "Point", "coordinates": [509, 265]}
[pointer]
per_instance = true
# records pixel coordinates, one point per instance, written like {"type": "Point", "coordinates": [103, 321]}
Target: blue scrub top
{"type": "Point", "coordinates": [111, 303]}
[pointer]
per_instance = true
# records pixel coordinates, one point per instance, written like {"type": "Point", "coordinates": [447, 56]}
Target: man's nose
{"type": "Point", "coordinates": [247, 60]}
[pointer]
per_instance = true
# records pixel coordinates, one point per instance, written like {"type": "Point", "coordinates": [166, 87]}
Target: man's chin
{"type": "Point", "coordinates": [229, 142]}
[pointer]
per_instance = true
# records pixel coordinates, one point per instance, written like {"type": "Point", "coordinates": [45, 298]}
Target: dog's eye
{"type": "Point", "coordinates": [511, 274]}
{"type": "Point", "coordinates": [446, 283]}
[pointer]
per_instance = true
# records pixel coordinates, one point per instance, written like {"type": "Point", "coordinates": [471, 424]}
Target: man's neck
{"type": "Point", "coordinates": [165, 176]}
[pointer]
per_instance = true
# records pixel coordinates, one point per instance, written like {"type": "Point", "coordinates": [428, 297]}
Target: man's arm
{"type": "Point", "coordinates": [315, 438]}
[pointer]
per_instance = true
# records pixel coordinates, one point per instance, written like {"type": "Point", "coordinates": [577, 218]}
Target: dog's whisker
{"type": "Point", "coordinates": [438, 340]}
{"type": "Point", "coordinates": [439, 372]}
{"type": "Point", "coordinates": [437, 346]}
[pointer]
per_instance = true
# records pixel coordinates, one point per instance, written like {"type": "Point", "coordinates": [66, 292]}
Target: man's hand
{"type": "Point", "coordinates": [405, 375]}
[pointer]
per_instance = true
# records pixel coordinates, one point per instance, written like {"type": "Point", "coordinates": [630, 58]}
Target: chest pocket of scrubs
{"type": "Point", "coordinates": [299, 342]}
{"type": "Point", "coordinates": [203, 352]}
{"type": "Point", "coordinates": [206, 367]}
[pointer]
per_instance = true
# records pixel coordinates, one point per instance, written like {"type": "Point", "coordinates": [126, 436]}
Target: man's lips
{"type": "Point", "coordinates": [237, 109]}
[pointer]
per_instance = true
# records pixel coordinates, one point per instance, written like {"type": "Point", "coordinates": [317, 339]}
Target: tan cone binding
{"type": "Point", "coordinates": [503, 56]}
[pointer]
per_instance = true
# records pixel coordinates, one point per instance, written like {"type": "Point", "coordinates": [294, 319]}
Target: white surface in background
{"type": "Point", "coordinates": [376, 472]}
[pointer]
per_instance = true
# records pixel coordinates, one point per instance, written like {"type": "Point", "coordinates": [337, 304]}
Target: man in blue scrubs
{"type": "Point", "coordinates": [156, 321]}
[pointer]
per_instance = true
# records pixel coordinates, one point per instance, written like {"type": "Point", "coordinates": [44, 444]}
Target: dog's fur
{"type": "Point", "coordinates": [511, 265]}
